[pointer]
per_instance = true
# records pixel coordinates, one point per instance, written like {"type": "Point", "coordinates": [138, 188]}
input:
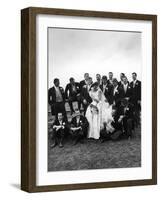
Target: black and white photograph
{"type": "Point", "coordinates": [89, 99]}
{"type": "Point", "coordinates": [94, 99]}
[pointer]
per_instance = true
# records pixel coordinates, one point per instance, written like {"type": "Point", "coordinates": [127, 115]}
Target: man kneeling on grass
{"type": "Point", "coordinates": [79, 127]}
{"type": "Point", "coordinates": [60, 128]}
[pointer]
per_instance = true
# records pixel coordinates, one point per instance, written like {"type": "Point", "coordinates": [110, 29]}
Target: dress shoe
{"type": "Point", "coordinates": [60, 145]}
{"type": "Point", "coordinates": [53, 145]}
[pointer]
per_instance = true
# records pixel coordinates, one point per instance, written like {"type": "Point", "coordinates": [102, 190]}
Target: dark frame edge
{"type": "Point", "coordinates": [90, 13]}
{"type": "Point", "coordinates": [24, 99]}
{"type": "Point", "coordinates": [154, 99]}
{"type": "Point", "coordinates": [86, 186]}
{"type": "Point", "coordinates": [28, 100]}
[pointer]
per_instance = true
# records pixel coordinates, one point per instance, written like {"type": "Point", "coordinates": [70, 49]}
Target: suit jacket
{"type": "Point", "coordinates": [52, 95]}
{"type": "Point", "coordinates": [107, 92]}
{"type": "Point", "coordinates": [115, 97]}
{"type": "Point", "coordinates": [85, 94]}
{"type": "Point", "coordinates": [115, 124]}
{"type": "Point", "coordinates": [81, 84]}
{"type": "Point", "coordinates": [69, 92]}
{"type": "Point", "coordinates": [128, 92]}
{"type": "Point", "coordinates": [83, 123]}
{"type": "Point", "coordinates": [136, 91]}
{"type": "Point", "coordinates": [64, 123]}
{"type": "Point", "coordinates": [128, 112]}
{"type": "Point", "coordinates": [120, 83]}
{"type": "Point", "coordinates": [108, 82]}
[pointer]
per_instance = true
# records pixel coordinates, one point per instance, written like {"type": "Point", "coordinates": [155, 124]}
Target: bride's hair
{"type": "Point", "coordinates": [95, 84]}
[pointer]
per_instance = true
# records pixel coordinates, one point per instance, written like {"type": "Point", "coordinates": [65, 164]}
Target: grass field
{"type": "Point", "coordinates": [91, 154]}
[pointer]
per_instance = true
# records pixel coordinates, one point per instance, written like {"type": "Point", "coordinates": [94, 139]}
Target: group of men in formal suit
{"type": "Point", "coordinates": [124, 96]}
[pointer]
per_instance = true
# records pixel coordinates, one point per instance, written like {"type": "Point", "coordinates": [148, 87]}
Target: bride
{"type": "Point", "coordinates": [98, 113]}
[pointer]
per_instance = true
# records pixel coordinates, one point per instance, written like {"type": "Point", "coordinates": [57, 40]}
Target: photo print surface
{"type": "Point", "coordinates": [94, 99]}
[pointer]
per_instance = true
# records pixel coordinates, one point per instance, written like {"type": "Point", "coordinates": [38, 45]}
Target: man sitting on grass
{"type": "Point", "coordinates": [126, 113]}
{"type": "Point", "coordinates": [79, 126]}
{"type": "Point", "coordinates": [60, 128]}
{"type": "Point", "coordinates": [117, 127]}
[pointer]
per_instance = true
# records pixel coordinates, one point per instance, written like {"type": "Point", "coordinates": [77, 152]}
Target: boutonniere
{"type": "Point", "coordinates": [127, 108]}
{"type": "Point", "coordinates": [129, 87]}
{"type": "Point", "coordinates": [106, 88]}
{"type": "Point", "coordinates": [136, 83]}
{"type": "Point", "coordinates": [117, 91]}
{"type": "Point", "coordinates": [63, 123]}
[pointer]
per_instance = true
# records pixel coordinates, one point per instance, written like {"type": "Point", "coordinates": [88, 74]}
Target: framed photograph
{"type": "Point", "coordinates": [88, 99]}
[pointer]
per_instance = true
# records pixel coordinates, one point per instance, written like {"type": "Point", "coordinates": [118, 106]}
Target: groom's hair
{"type": "Point", "coordinates": [104, 77]}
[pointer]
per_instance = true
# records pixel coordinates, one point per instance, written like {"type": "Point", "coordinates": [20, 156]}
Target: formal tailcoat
{"type": "Point", "coordinates": [107, 92]}
{"type": "Point", "coordinates": [127, 93]}
{"type": "Point", "coordinates": [85, 94]}
{"type": "Point", "coordinates": [136, 91]}
{"type": "Point", "coordinates": [127, 111]}
{"type": "Point", "coordinates": [52, 95]}
{"type": "Point", "coordinates": [81, 84]}
{"type": "Point", "coordinates": [83, 123]}
{"type": "Point", "coordinates": [115, 96]}
{"type": "Point", "coordinates": [64, 123]}
{"type": "Point", "coordinates": [69, 90]}
{"type": "Point", "coordinates": [109, 82]}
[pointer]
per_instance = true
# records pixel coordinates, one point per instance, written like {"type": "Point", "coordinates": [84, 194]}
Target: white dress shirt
{"type": "Point", "coordinates": [125, 87]}
{"type": "Point", "coordinates": [115, 90]}
{"type": "Point", "coordinates": [134, 82]}
{"type": "Point", "coordinates": [59, 97]}
{"type": "Point", "coordinates": [104, 88]}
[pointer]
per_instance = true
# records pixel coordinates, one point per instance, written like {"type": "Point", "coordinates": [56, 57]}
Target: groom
{"type": "Point", "coordinates": [86, 99]}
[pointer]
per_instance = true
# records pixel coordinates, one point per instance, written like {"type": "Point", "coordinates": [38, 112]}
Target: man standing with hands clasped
{"type": "Point", "coordinates": [136, 97]}
{"type": "Point", "coordinates": [86, 99]}
{"type": "Point", "coordinates": [56, 99]}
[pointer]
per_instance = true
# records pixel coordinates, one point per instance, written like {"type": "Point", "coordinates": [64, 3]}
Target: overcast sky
{"type": "Point", "coordinates": [72, 52]}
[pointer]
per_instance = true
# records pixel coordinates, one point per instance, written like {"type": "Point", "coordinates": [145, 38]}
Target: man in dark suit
{"type": "Point", "coordinates": [125, 88]}
{"type": "Point", "coordinates": [72, 93]}
{"type": "Point", "coordinates": [126, 117]}
{"type": "Point", "coordinates": [110, 80]}
{"type": "Point", "coordinates": [56, 98]}
{"type": "Point", "coordinates": [115, 93]}
{"type": "Point", "coordinates": [79, 127]}
{"type": "Point", "coordinates": [106, 89]}
{"type": "Point", "coordinates": [117, 130]}
{"type": "Point", "coordinates": [136, 97]}
{"type": "Point", "coordinates": [84, 82]}
{"type": "Point", "coordinates": [121, 79]}
{"type": "Point", "coordinates": [85, 97]}
{"type": "Point", "coordinates": [116, 124]}
{"type": "Point", "coordinates": [60, 128]}
{"type": "Point", "coordinates": [98, 79]}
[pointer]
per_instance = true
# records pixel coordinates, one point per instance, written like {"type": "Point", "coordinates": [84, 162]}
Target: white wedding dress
{"type": "Point", "coordinates": [98, 113]}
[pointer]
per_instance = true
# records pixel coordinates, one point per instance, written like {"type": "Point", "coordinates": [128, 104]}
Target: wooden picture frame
{"type": "Point", "coordinates": [28, 98]}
